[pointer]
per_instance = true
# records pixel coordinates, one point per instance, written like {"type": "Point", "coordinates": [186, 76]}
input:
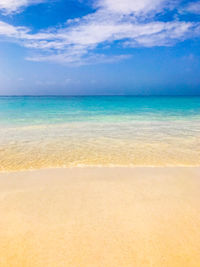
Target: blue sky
{"type": "Point", "coordinates": [77, 47]}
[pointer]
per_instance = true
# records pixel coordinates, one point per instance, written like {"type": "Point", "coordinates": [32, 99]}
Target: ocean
{"type": "Point", "coordinates": [51, 132]}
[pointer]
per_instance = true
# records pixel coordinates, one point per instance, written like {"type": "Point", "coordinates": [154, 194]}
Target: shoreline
{"type": "Point", "coordinates": [94, 217]}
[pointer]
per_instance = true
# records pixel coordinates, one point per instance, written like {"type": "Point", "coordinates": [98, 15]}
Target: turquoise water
{"type": "Point", "coordinates": [41, 132]}
{"type": "Point", "coordinates": [50, 110]}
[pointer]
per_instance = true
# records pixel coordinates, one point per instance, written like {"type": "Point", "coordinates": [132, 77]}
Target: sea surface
{"type": "Point", "coordinates": [51, 132]}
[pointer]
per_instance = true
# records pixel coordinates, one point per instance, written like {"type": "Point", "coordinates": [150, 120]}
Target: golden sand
{"type": "Point", "coordinates": [100, 217]}
{"type": "Point", "coordinates": [100, 152]}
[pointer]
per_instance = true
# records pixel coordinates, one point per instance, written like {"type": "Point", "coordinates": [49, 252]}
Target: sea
{"type": "Point", "coordinates": [39, 132]}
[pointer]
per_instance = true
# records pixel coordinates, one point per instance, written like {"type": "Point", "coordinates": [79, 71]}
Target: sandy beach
{"type": "Point", "coordinates": [100, 217]}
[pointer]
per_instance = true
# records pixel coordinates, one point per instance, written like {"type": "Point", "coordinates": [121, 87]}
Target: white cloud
{"type": "Point", "coordinates": [80, 40]}
{"type": "Point", "coordinates": [10, 6]}
{"type": "Point", "coordinates": [79, 58]}
{"type": "Point", "coordinates": [126, 7]}
{"type": "Point", "coordinates": [12, 31]}
{"type": "Point", "coordinates": [193, 7]}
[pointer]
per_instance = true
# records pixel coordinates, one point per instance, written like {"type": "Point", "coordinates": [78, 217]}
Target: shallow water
{"type": "Point", "coordinates": [43, 132]}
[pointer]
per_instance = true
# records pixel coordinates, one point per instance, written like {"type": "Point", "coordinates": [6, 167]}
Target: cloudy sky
{"type": "Point", "coordinates": [99, 47]}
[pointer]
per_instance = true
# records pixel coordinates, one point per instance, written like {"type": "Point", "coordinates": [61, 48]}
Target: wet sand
{"type": "Point", "coordinates": [100, 217]}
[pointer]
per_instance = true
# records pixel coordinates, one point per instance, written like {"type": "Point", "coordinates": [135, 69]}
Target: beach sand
{"type": "Point", "coordinates": [100, 217]}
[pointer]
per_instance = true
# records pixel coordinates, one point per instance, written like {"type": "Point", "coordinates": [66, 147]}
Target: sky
{"type": "Point", "coordinates": [99, 47]}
